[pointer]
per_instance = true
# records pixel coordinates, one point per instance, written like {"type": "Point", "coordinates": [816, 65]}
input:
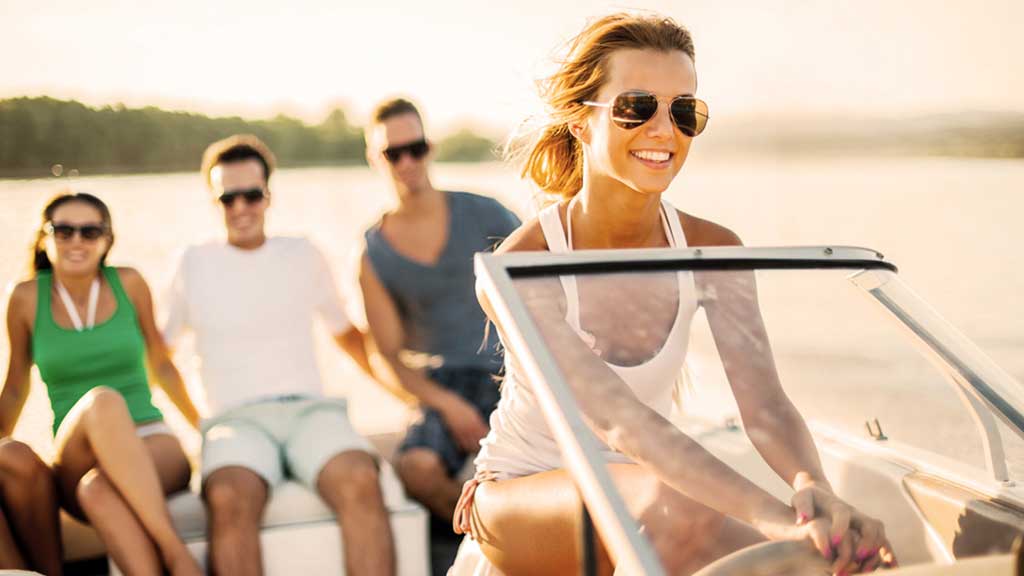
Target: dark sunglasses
{"type": "Point", "coordinates": [90, 232]}
{"type": "Point", "coordinates": [417, 150]}
{"type": "Point", "coordinates": [631, 109]}
{"type": "Point", "coordinates": [251, 196]}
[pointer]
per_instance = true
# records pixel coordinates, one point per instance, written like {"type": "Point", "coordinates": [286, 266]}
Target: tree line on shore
{"type": "Point", "coordinates": [37, 134]}
{"type": "Point", "coordinates": [43, 136]}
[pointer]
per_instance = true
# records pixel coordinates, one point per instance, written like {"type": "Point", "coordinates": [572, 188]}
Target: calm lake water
{"type": "Point", "coordinates": [951, 225]}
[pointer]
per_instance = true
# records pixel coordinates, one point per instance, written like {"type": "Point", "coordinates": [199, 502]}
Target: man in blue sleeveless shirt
{"type": "Point", "coordinates": [417, 282]}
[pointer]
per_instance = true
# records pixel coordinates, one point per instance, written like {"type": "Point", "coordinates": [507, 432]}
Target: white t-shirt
{"type": "Point", "coordinates": [251, 312]}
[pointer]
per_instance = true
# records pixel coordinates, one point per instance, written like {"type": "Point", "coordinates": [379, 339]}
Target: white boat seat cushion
{"type": "Point", "coordinates": [290, 503]}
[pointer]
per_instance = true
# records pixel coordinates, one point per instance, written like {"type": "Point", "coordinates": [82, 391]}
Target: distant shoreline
{"type": "Point", "coordinates": [39, 174]}
{"type": "Point", "coordinates": [41, 134]}
{"type": "Point", "coordinates": [194, 169]}
{"type": "Point", "coordinates": [715, 151]}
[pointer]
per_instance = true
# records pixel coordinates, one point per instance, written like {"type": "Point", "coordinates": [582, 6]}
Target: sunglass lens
{"type": "Point", "coordinates": [686, 120]}
{"type": "Point", "coordinates": [632, 109]}
{"type": "Point", "coordinates": [91, 232]}
{"type": "Point", "coordinates": [690, 115]}
{"type": "Point", "coordinates": [63, 231]}
{"type": "Point", "coordinates": [419, 149]}
{"type": "Point", "coordinates": [416, 149]}
{"type": "Point", "coordinates": [393, 154]}
{"type": "Point", "coordinates": [252, 196]}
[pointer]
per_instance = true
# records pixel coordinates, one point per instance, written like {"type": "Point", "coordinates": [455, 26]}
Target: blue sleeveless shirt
{"type": "Point", "coordinates": [437, 304]}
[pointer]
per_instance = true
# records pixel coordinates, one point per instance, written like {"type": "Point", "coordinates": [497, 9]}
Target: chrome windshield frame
{"type": "Point", "coordinates": [526, 264]}
{"type": "Point", "coordinates": [579, 446]}
{"type": "Point", "coordinates": [986, 390]}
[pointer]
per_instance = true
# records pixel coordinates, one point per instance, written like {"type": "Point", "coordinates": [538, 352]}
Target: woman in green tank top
{"type": "Point", "coordinates": [90, 330]}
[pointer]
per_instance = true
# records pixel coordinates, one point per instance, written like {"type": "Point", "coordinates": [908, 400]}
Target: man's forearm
{"type": "Point", "coordinates": [353, 342]}
{"type": "Point", "coordinates": [388, 371]}
{"type": "Point", "coordinates": [409, 385]}
{"type": "Point", "coordinates": [173, 385]}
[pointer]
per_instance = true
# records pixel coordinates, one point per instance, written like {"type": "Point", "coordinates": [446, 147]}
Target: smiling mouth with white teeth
{"type": "Point", "coordinates": [653, 157]}
{"type": "Point", "coordinates": [76, 256]}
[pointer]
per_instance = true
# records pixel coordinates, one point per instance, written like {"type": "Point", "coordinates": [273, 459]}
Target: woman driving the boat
{"type": "Point", "coordinates": [623, 114]}
{"type": "Point", "coordinates": [89, 328]}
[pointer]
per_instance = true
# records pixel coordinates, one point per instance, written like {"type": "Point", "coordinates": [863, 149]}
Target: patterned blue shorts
{"type": "Point", "coordinates": [477, 386]}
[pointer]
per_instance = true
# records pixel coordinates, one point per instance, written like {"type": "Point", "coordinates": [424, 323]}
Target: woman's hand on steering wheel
{"type": "Point", "coordinates": [856, 540]}
{"type": "Point", "coordinates": [814, 532]}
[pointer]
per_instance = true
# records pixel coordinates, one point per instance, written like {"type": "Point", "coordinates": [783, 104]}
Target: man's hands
{"type": "Point", "coordinates": [464, 422]}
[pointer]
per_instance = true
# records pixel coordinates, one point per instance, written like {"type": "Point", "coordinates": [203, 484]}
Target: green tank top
{"type": "Point", "coordinates": [111, 354]}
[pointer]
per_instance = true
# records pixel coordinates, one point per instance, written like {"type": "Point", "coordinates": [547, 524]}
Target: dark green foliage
{"type": "Point", "coordinates": [36, 133]}
{"type": "Point", "coordinates": [466, 146]}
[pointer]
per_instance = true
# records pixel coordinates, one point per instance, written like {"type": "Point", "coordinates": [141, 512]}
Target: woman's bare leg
{"type": "Point", "coordinates": [127, 542]}
{"type": "Point", "coordinates": [533, 524]}
{"type": "Point", "coordinates": [99, 433]}
{"type": "Point", "coordinates": [30, 513]}
{"type": "Point", "coordinates": [10, 556]}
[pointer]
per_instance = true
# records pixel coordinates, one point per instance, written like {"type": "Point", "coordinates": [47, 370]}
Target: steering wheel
{"type": "Point", "coordinates": [781, 558]}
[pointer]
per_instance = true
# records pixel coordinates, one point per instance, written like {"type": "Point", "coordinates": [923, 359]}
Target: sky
{"type": "Point", "coordinates": [475, 63]}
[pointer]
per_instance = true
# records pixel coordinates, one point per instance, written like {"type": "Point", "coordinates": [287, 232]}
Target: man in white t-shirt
{"type": "Point", "coordinates": [250, 303]}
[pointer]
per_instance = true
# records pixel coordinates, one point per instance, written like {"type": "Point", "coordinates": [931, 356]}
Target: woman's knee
{"type": "Point", "coordinates": [20, 465]}
{"type": "Point", "coordinates": [104, 405]}
{"type": "Point", "coordinates": [94, 492]}
{"type": "Point", "coordinates": [101, 407]}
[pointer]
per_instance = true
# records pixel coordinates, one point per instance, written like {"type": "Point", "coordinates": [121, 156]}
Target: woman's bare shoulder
{"type": "Point", "coordinates": [129, 275]}
{"type": "Point", "coordinates": [701, 232]}
{"type": "Point", "coordinates": [133, 283]}
{"type": "Point", "coordinates": [24, 291]}
{"type": "Point", "coordinates": [23, 299]}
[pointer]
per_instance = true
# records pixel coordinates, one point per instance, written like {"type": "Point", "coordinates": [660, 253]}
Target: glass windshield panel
{"type": "Point", "coordinates": [649, 355]}
{"type": "Point", "coordinates": [838, 358]}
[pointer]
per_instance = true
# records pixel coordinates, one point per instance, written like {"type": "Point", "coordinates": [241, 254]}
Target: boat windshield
{"type": "Point", "coordinates": [643, 354]}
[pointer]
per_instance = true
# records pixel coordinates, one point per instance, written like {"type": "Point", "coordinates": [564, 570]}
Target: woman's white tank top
{"type": "Point", "coordinates": [520, 441]}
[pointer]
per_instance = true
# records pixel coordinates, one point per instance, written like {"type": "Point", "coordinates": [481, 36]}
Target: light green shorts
{"type": "Point", "coordinates": [279, 438]}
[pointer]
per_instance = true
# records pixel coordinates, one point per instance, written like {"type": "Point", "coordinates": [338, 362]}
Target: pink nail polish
{"type": "Point", "coordinates": [836, 541]}
{"type": "Point", "coordinates": [863, 554]}
{"type": "Point", "coordinates": [802, 519]}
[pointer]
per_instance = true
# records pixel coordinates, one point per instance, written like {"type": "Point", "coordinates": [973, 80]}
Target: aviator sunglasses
{"type": "Point", "coordinates": [88, 232]}
{"type": "Point", "coordinates": [417, 150]}
{"type": "Point", "coordinates": [251, 196]}
{"type": "Point", "coordinates": [631, 109]}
